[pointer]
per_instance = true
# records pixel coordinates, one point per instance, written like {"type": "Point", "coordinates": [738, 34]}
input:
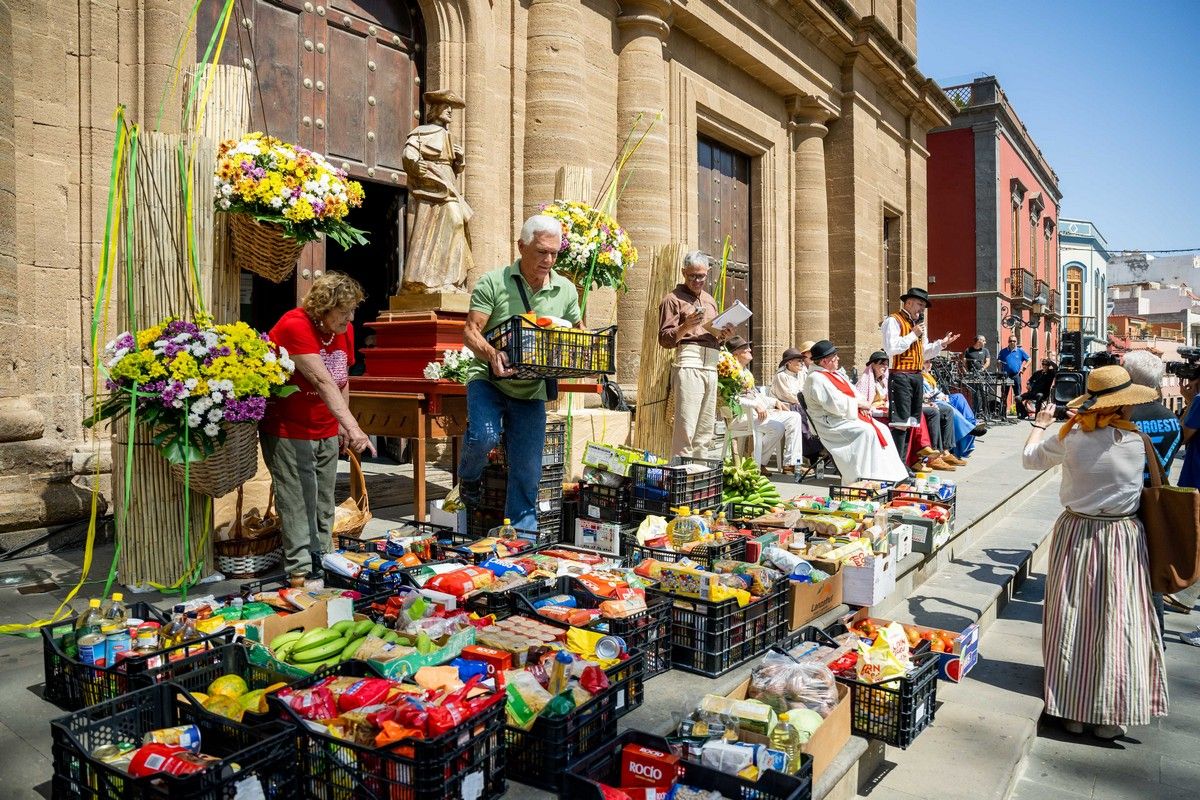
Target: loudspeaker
{"type": "Point", "coordinates": [1070, 350]}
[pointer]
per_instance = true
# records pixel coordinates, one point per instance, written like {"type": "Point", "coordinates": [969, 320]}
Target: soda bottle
{"type": "Point", "coordinates": [90, 620]}
{"type": "Point", "coordinates": [504, 530]}
{"type": "Point", "coordinates": [116, 613]}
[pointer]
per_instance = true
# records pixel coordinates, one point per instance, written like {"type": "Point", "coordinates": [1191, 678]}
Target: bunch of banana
{"type": "Point", "coordinates": [745, 483]}
{"type": "Point", "coordinates": [322, 647]}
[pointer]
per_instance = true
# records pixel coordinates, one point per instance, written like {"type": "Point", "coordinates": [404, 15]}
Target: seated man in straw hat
{"type": "Point", "coordinates": [860, 445]}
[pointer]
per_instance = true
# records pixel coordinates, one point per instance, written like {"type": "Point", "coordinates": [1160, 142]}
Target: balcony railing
{"type": "Point", "coordinates": [1023, 288]}
{"type": "Point", "coordinates": [1052, 306]}
{"type": "Point", "coordinates": [1079, 322]}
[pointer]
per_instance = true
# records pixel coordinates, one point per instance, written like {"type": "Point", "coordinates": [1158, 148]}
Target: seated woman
{"type": "Point", "coordinates": [861, 447]}
{"type": "Point", "coordinates": [769, 418]}
{"type": "Point", "coordinates": [1040, 384]}
{"type": "Point", "coordinates": [872, 388]}
{"type": "Point", "coordinates": [788, 387]}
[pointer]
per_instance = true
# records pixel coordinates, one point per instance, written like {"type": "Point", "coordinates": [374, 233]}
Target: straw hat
{"type": "Point", "coordinates": [806, 346]}
{"type": "Point", "coordinates": [1111, 387]}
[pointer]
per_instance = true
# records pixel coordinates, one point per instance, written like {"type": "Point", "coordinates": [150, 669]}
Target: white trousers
{"type": "Point", "coordinates": [694, 383]}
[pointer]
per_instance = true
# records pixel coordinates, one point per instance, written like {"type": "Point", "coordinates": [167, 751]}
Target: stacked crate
{"type": "Point", "coordinates": [490, 511]}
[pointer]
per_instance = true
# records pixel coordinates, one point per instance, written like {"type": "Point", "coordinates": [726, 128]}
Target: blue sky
{"type": "Point", "coordinates": [1110, 92]}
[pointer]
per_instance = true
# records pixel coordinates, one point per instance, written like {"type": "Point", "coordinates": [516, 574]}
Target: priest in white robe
{"type": "Point", "coordinates": [861, 447]}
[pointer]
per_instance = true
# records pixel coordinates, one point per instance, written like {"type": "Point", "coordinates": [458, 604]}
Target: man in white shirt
{"type": "Point", "coordinates": [770, 418]}
{"type": "Point", "coordinates": [905, 340]}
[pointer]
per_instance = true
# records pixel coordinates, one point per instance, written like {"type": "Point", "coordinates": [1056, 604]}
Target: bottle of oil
{"type": "Point", "coordinates": [785, 738]}
{"type": "Point", "coordinates": [686, 528]}
{"type": "Point", "coordinates": [172, 632]}
{"type": "Point", "coordinates": [504, 530]}
{"type": "Point", "coordinates": [90, 620]}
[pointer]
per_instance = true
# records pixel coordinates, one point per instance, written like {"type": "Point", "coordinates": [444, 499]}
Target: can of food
{"type": "Point", "coordinates": [118, 640]}
{"type": "Point", "coordinates": [115, 755]}
{"type": "Point", "coordinates": [610, 647]}
{"type": "Point", "coordinates": [93, 649]}
{"type": "Point", "coordinates": [185, 736]}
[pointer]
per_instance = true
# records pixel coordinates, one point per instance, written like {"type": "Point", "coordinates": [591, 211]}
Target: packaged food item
{"type": "Point", "coordinates": [154, 758]}
{"type": "Point", "coordinates": [185, 736]}
{"type": "Point", "coordinates": [645, 766]}
{"type": "Point", "coordinates": [461, 581]}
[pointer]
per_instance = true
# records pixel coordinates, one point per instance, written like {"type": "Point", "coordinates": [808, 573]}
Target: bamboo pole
{"type": "Point", "coordinates": [655, 405]}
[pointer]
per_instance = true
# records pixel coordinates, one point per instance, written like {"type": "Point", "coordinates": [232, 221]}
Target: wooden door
{"type": "Point", "coordinates": [725, 211]}
{"type": "Point", "coordinates": [341, 78]}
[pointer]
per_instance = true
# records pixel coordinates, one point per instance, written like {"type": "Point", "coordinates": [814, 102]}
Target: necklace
{"type": "Point", "coordinates": [317, 326]}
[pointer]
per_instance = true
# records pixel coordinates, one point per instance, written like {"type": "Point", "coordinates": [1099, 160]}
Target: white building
{"type": "Point", "coordinates": [1083, 275]}
{"type": "Point", "coordinates": [1182, 270]}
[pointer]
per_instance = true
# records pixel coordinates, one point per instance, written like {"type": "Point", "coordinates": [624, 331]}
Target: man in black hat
{"type": "Point", "coordinates": [906, 342]}
{"type": "Point", "coordinates": [859, 444]}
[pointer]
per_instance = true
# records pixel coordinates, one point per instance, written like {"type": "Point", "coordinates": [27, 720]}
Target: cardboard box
{"type": "Point", "coordinates": [869, 584]}
{"type": "Point", "coordinates": [830, 737]}
{"type": "Point", "coordinates": [900, 537]}
{"type": "Point", "coordinates": [807, 601]}
{"type": "Point", "coordinates": [456, 521]}
{"type": "Point", "coordinates": [321, 614]}
{"type": "Point", "coordinates": [604, 537]}
{"type": "Point", "coordinates": [952, 666]}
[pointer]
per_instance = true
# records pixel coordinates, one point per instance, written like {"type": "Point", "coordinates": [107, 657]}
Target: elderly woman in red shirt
{"type": "Point", "coordinates": [303, 433]}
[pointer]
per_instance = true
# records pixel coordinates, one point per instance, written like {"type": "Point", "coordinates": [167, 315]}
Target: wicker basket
{"type": "Point", "coordinates": [229, 466]}
{"type": "Point", "coordinates": [261, 248]}
{"type": "Point", "coordinates": [353, 513]}
{"type": "Point", "coordinates": [255, 545]}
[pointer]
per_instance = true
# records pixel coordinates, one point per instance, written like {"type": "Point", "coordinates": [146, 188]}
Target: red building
{"type": "Point", "coordinates": [993, 225]}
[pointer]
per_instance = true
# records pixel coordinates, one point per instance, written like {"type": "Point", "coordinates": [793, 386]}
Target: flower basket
{"type": "Point", "coordinates": [596, 251]}
{"type": "Point", "coordinates": [228, 466]}
{"type": "Point", "coordinates": [262, 248]}
{"type": "Point", "coordinates": [255, 546]}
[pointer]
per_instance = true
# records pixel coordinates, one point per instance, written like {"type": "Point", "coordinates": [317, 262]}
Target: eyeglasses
{"type": "Point", "coordinates": [687, 277]}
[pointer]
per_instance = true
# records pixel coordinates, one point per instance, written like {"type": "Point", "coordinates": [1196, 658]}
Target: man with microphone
{"type": "Point", "coordinates": [906, 343]}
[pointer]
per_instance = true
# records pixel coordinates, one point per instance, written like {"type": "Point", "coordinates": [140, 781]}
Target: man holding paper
{"type": "Point", "coordinates": [685, 316]}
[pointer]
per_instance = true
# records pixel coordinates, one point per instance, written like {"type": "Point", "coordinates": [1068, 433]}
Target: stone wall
{"type": "Point", "coordinates": [823, 95]}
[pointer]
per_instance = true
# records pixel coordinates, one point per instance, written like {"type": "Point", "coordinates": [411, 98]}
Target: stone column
{"type": "Point", "coordinates": [8, 188]}
{"type": "Point", "coordinates": [811, 219]}
{"type": "Point", "coordinates": [555, 114]}
{"type": "Point", "coordinates": [644, 208]}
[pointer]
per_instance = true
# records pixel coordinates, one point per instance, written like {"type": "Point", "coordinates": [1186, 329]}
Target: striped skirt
{"type": "Point", "coordinates": [1104, 662]}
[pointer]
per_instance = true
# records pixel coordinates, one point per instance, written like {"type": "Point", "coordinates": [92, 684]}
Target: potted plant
{"type": "Point", "coordinates": [279, 197]}
{"type": "Point", "coordinates": [201, 389]}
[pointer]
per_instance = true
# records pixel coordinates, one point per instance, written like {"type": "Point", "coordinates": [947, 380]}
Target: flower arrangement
{"type": "Point", "coordinates": [453, 366]}
{"type": "Point", "coordinates": [733, 380]}
{"type": "Point", "coordinates": [592, 242]}
{"type": "Point", "coordinates": [288, 185]}
{"type": "Point", "coordinates": [186, 378]}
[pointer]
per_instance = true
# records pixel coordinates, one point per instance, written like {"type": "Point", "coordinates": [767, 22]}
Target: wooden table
{"type": "Point", "coordinates": [420, 410]}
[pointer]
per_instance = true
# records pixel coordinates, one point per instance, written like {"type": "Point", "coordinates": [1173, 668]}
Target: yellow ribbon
{"type": "Point", "coordinates": [1099, 418]}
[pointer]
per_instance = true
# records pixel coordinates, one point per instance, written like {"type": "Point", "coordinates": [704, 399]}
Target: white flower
{"type": "Point", "coordinates": [215, 415]}
{"type": "Point", "coordinates": [211, 340]}
{"type": "Point", "coordinates": [180, 338]}
{"type": "Point", "coordinates": [217, 397]}
{"type": "Point", "coordinates": [227, 190]}
{"type": "Point", "coordinates": [176, 403]}
{"type": "Point", "coordinates": [211, 430]}
{"type": "Point", "coordinates": [269, 357]}
{"type": "Point", "coordinates": [190, 383]}
{"type": "Point", "coordinates": [433, 371]}
{"type": "Point", "coordinates": [224, 386]}
{"type": "Point", "coordinates": [223, 203]}
{"type": "Point", "coordinates": [198, 350]}
{"type": "Point", "coordinates": [193, 421]}
{"type": "Point", "coordinates": [201, 405]}
{"type": "Point", "coordinates": [287, 364]}
{"type": "Point", "coordinates": [117, 356]}
{"type": "Point", "coordinates": [276, 202]}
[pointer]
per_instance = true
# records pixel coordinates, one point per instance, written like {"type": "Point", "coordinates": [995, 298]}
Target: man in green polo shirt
{"type": "Point", "coordinates": [495, 401]}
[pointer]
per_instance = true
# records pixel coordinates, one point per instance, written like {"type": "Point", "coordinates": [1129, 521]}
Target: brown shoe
{"type": "Point", "coordinates": [950, 458]}
{"type": "Point", "coordinates": [926, 452]}
{"type": "Point", "coordinates": [790, 469]}
{"type": "Point", "coordinates": [939, 464]}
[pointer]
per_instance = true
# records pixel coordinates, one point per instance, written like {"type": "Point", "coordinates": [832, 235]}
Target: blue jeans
{"type": "Point", "coordinates": [490, 411]}
{"type": "Point", "coordinates": [964, 423]}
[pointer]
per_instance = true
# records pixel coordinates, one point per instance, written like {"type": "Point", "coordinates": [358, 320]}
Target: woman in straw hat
{"type": "Point", "coordinates": [1104, 663]}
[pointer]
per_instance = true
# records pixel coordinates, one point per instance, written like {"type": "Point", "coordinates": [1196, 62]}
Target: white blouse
{"type": "Point", "coordinates": [1102, 470]}
{"type": "Point", "coordinates": [787, 386]}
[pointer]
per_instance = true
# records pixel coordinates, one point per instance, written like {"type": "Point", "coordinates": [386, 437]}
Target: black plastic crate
{"type": "Point", "coordinates": [711, 638]}
{"type": "Point", "coordinates": [195, 673]}
{"type": "Point", "coordinates": [554, 451]}
{"type": "Point", "coordinates": [265, 754]}
{"type": "Point", "coordinates": [861, 494]}
{"type": "Point", "coordinates": [648, 632]}
{"type": "Point", "coordinates": [603, 765]}
{"type": "Point", "coordinates": [894, 712]}
{"type": "Point", "coordinates": [606, 503]}
{"type": "Point", "coordinates": [495, 488]}
{"type": "Point", "coordinates": [535, 352]}
{"type": "Point", "coordinates": [549, 531]}
{"type": "Point", "coordinates": [499, 603]}
{"type": "Point", "coordinates": [541, 755]}
{"type": "Point", "coordinates": [705, 555]}
{"type": "Point", "coordinates": [472, 754]}
{"type": "Point", "coordinates": [71, 684]}
{"type": "Point", "coordinates": [657, 489]}
{"type": "Point", "coordinates": [907, 493]}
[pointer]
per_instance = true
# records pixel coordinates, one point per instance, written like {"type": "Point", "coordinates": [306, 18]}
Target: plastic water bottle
{"type": "Point", "coordinates": [116, 613]}
{"type": "Point", "coordinates": [504, 531]}
{"type": "Point", "coordinates": [89, 621]}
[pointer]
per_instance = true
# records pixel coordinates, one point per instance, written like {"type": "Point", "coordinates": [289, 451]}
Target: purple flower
{"type": "Point", "coordinates": [252, 409]}
{"type": "Point", "coordinates": [126, 341]}
{"type": "Point", "coordinates": [319, 207]}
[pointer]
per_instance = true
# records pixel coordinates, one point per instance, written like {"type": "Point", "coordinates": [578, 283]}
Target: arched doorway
{"type": "Point", "coordinates": [342, 78]}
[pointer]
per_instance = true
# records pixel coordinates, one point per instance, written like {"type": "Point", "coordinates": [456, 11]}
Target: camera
{"type": "Point", "coordinates": [1101, 359]}
{"type": "Point", "coordinates": [1187, 370]}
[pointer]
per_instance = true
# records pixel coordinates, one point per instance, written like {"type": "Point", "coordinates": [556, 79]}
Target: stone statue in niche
{"type": "Point", "coordinates": [439, 249]}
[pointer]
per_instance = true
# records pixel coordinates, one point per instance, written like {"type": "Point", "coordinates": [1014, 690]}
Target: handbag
{"type": "Point", "coordinates": [1171, 517]}
{"type": "Point", "coordinates": [611, 396]}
